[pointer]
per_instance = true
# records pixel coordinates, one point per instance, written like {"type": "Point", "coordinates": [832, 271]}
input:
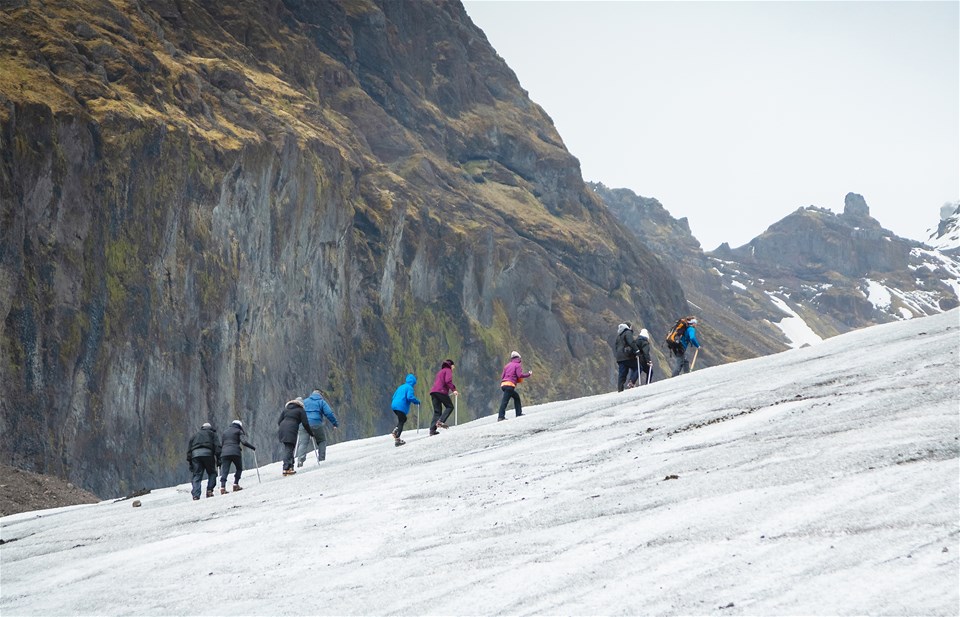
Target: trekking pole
{"type": "Point", "coordinates": [638, 371]}
{"type": "Point", "coordinates": [456, 400]}
{"type": "Point", "coordinates": [649, 374]}
{"type": "Point", "coordinates": [259, 481]}
{"type": "Point", "coordinates": [316, 449]}
{"type": "Point", "coordinates": [694, 361]}
{"type": "Point", "coordinates": [418, 418]}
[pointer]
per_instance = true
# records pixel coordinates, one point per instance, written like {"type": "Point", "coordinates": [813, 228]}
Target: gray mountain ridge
{"type": "Point", "coordinates": [837, 272]}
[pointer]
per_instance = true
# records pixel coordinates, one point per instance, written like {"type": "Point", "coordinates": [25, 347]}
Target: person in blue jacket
{"type": "Point", "coordinates": [681, 361]}
{"type": "Point", "coordinates": [401, 405]}
{"type": "Point", "coordinates": [317, 409]}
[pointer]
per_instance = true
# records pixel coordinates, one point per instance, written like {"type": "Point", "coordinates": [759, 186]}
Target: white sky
{"type": "Point", "coordinates": [818, 481]}
{"type": "Point", "coordinates": [735, 114]}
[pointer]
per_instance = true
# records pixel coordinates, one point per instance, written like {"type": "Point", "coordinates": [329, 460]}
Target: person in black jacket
{"type": "Point", "coordinates": [203, 455]}
{"type": "Point", "coordinates": [625, 352]}
{"type": "Point", "coordinates": [291, 419]}
{"type": "Point", "coordinates": [230, 453]}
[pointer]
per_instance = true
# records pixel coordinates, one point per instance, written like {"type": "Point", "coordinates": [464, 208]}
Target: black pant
{"type": "Point", "coordinates": [200, 465]}
{"type": "Point", "coordinates": [225, 462]}
{"type": "Point", "coordinates": [440, 400]}
{"type": "Point", "coordinates": [401, 420]}
{"type": "Point", "coordinates": [624, 368]}
{"type": "Point", "coordinates": [288, 455]}
{"type": "Point", "coordinates": [509, 392]}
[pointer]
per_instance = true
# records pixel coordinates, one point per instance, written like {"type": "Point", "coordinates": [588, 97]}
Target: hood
{"type": "Point", "coordinates": [315, 396]}
{"type": "Point", "coordinates": [447, 364]}
{"type": "Point", "coordinates": [411, 379]}
{"type": "Point", "coordinates": [621, 328]}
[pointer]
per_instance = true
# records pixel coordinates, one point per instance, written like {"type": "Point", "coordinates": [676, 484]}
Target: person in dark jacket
{"type": "Point", "coordinates": [203, 456]}
{"type": "Point", "coordinates": [317, 409]}
{"type": "Point", "coordinates": [291, 419]}
{"type": "Point", "coordinates": [400, 404]}
{"type": "Point", "coordinates": [440, 396]}
{"type": "Point", "coordinates": [510, 378]}
{"type": "Point", "coordinates": [231, 454]}
{"type": "Point", "coordinates": [644, 360]}
{"type": "Point", "coordinates": [625, 352]}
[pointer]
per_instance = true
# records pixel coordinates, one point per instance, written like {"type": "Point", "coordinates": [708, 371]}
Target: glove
{"type": "Point", "coordinates": [249, 445]}
{"type": "Point", "coordinates": [455, 393]}
{"type": "Point", "coordinates": [218, 462]}
{"type": "Point", "coordinates": [530, 372]}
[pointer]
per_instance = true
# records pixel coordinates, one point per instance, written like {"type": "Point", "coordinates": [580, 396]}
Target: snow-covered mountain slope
{"type": "Point", "coordinates": [946, 237]}
{"type": "Point", "coordinates": [817, 481]}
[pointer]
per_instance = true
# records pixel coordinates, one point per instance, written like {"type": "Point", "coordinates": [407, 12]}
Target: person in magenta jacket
{"type": "Point", "coordinates": [509, 380]}
{"type": "Point", "coordinates": [440, 396]}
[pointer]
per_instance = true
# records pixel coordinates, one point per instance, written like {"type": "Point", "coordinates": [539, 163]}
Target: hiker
{"type": "Point", "coordinates": [203, 456]}
{"type": "Point", "coordinates": [644, 359]}
{"type": "Point", "coordinates": [292, 416]}
{"type": "Point", "coordinates": [317, 408]}
{"type": "Point", "coordinates": [400, 404]}
{"type": "Point", "coordinates": [440, 396]}
{"type": "Point", "coordinates": [231, 454]}
{"type": "Point", "coordinates": [683, 336]}
{"type": "Point", "coordinates": [509, 380]}
{"type": "Point", "coordinates": [625, 352]}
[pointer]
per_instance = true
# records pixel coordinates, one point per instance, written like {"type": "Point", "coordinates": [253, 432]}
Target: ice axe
{"type": "Point", "coordinates": [694, 361]}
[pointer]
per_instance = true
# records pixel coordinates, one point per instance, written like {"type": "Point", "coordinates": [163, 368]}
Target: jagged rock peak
{"type": "Point", "coordinates": [855, 205]}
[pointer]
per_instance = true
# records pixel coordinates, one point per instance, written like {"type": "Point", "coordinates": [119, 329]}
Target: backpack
{"type": "Point", "coordinates": [676, 334]}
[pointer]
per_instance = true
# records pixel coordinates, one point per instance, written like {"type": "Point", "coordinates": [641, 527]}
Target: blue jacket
{"type": "Point", "coordinates": [317, 408]}
{"type": "Point", "coordinates": [404, 395]}
{"type": "Point", "coordinates": [690, 336]}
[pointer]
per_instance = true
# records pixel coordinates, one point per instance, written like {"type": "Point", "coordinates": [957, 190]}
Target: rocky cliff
{"type": "Point", "coordinates": [212, 207]}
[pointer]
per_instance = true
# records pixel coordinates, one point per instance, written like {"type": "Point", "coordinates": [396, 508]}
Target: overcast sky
{"type": "Point", "coordinates": [735, 114]}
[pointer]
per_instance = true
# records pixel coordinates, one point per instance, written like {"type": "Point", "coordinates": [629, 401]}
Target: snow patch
{"type": "Point", "coordinates": [877, 294]}
{"type": "Point", "coordinates": [794, 327]}
{"type": "Point", "coordinates": [738, 285]}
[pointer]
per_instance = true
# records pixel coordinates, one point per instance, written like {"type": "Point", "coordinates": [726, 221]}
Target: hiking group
{"type": "Point", "coordinates": [301, 420]}
{"type": "Point", "coordinates": [632, 353]}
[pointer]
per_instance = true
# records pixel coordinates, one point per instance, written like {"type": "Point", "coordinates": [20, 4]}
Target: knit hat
{"type": "Point", "coordinates": [644, 333]}
{"type": "Point", "coordinates": [514, 354]}
{"type": "Point", "coordinates": [207, 425]}
{"type": "Point", "coordinates": [238, 423]}
{"type": "Point", "coordinates": [692, 321]}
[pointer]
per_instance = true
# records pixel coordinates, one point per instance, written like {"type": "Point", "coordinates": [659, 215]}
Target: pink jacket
{"type": "Point", "coordinates": [512, 373]}
{"type": "Point", "coordinates": [443, 384]}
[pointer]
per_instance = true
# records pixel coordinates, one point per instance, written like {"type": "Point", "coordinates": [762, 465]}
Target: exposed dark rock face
{"type": "Point", "coordinates": [212, 207]}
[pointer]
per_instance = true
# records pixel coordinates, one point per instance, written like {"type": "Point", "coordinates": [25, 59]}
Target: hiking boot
{"type": "Point", "coordinates": [236, 487]}
{"type": "Point", "coordinates": [433, 432]}
{"type": "Point", "coordinates": [519, 414]}
{"type": "Point", "coordinates": [394, 433]}
{"type": "Point", "coordinates": [223, 490]}
{"type": "Point", "coordinates": [289, 472]}
{"type": "Point", "coordinates": [210, 493]}
{"type": "Point", "coordinates": [399, 442]}
{"type": "Point", "coordinates": [299, 463]}
{"type": "Point", "coordinates": [442, 424]}
{"type": "Point", "coordinates": [196, 499]}
{"type": "Point", "coordinates": [500, 418]}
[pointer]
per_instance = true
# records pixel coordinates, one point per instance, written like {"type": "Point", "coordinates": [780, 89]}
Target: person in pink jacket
{"type": "Point", "coordinates": [440, 396]}
{"type": "Point", "coordinates": [512, 376]}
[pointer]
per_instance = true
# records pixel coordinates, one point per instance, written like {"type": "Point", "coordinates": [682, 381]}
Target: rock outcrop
{"type": "Point", "coordinates": [211, 207]}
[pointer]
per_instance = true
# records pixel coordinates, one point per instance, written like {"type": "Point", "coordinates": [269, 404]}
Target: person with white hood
{"type": "Point", "coordinates": [644, 362]}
